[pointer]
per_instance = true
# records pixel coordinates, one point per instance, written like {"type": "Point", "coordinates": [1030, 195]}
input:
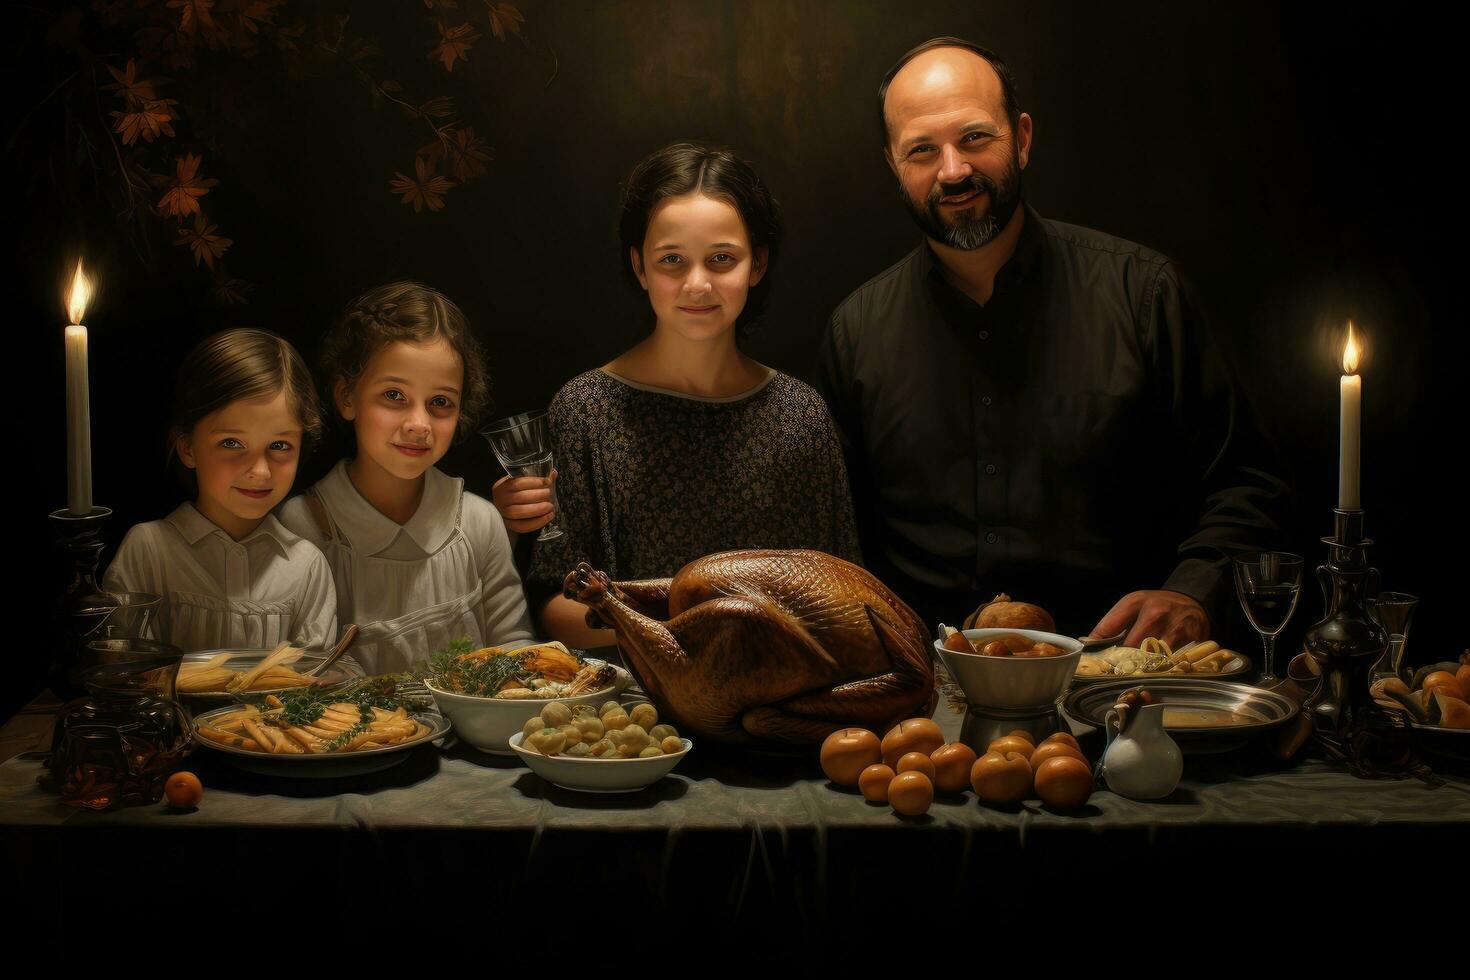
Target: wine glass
{"type": "Point", "coordinates": [523, 447]}
{"type": "Point", "coordinates": [1268, 583]}
{"type": "Point", "coordinates": [1395, 610]}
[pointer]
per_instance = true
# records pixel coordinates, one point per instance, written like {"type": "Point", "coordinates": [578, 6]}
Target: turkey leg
{"type": "Point", "coordinates": [648, 596]}
{"type": "Point", "coordinates": [644, 642]}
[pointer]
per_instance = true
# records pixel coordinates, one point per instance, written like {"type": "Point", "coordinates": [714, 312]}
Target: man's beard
{"type": "Point", "coordinates": [963, 230]}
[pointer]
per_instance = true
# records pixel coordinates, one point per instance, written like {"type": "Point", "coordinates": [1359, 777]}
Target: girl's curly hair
{"type": "Point", "coordinates": [415, 314]}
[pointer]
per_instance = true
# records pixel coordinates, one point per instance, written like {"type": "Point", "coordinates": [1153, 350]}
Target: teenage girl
{"type": "Point", "coordinates": [684, 445]}
{"type": "Point", "coordinates": [231, 575]}
{"type": "Point", "coordinates": [418, 563]}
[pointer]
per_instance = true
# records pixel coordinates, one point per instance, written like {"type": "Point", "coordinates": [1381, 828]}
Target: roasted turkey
{"type": "Point", "coordinates": [767, 646]}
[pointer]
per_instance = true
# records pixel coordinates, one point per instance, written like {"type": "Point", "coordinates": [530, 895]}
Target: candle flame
{"type": "Point", "coordinates": [81, 294]}
{"type": "Point", "coordinates": [1350, 353]}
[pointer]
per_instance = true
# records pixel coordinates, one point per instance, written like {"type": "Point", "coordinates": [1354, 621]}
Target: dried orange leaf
{"type": "Point", "coordinates": [427, 190]}
{"type": "Point", "coordinates": [150, 121]}
{"type": "Point", "coordinates": [135, 91]}
{"type": "Point", "coordinates": [202, 241]}
{"type": "Point", "coordinates": [454, 44]}
{"type": "Point", "coordinates": [184, 191]}
{"type": "Point", "coordinates": [504, 17]}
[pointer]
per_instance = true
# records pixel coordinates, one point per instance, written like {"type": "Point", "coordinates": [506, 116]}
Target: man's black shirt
{"type": "Point", "coordinates": [1076, 438]}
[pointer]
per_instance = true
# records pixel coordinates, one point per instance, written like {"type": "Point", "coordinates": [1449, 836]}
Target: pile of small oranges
{"type": "Point", "coordinates": [913, 761]}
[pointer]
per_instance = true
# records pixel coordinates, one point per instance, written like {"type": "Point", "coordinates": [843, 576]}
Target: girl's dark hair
{"type": "Point", "coordinates": [414, 314]}
{"type": "Point", "coordinates": [689, 168]}
{"type": "Point", "coordinates": [235, 365]}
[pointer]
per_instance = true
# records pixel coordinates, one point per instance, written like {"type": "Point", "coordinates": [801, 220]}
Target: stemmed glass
{"type": "Point", "coordinates": [522, 445]}
{"type": "Point", "coordinates": [1268, 583]}
{"type": "Point", "coordinates": [1395, 610]}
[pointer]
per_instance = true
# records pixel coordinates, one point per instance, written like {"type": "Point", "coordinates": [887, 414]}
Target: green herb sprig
{"type": "Point", "coordinates": [304, 706]}
{"type": "Point", "coordinates": [477, 677]}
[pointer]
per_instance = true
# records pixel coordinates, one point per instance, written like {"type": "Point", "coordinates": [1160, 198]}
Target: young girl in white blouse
{"type": "Point", "coordinates": [417, 561]}
{"type": "Point", "coordinates": [231, 575]}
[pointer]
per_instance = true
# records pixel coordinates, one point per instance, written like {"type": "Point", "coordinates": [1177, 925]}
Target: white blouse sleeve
{"type": "Point", "coordinates": [315, 622]}
{"type": "Point", "coordinates": [137, 565]}
{"type": "Point", "coordinates": [503, 616]}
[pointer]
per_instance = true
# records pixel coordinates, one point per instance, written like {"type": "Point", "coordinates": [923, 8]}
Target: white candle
{"type": "Point", "coordinates": [1350, 439]}
{"type": "Point", "coordinates": [78, 411]}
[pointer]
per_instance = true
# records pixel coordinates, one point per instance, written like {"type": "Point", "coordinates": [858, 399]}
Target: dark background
{"type": "Point", "coordinates": [1296, 159]}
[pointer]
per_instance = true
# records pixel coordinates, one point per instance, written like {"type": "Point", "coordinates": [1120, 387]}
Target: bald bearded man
{"type": "Point", "coordinates": [1031, 406]}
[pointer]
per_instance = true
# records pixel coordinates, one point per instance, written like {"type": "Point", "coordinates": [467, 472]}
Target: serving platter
{"type": "Point", "coordinates": [1234, 667]}
{"type": "Point", "coordinates": [1202, 715]}
{"type": "Point", "coordinates": [345, 669]}
{"type": "Point", "coordinates": [324, 765]}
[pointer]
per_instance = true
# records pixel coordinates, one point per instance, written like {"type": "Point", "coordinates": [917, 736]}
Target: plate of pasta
{"type": "Point", "coordinates": [349, 729]}
{"type": "Point", "coordinates": [1155, 658]}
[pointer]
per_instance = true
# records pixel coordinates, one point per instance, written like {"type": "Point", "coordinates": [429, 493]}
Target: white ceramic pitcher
{"type": "Point", "coordinates": [1141, 761]}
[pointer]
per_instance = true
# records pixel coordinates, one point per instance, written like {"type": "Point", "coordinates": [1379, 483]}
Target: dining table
{"type": "Point", "coordinates": [735, 838]}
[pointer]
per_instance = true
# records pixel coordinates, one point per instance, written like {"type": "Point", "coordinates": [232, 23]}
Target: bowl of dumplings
{"type": "Point", "coordinates": [611, 749]}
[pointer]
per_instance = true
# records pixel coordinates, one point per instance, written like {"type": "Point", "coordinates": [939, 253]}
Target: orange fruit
{"type": "Point", "coordinates": [1064, 782]}
{"type": "Point", "coordinates": [916, 762]}
{"type": "Point", "coordinates": [910, 793]}
{"type": "Point", "coordinates": [874, 783]}
{"type": "Point", "coordinates": [1013, 743]}
{"type": "Point", "coordinates": [847, 752]}
{"type": "Point", "coordinates": [184, 790]}
{"type": "Point", "coordinates": [913, 735]}
{"type": "Point", "coordinates": [952, 764]}
{"type": "Point", "coordinates": [1050, 750]}
{"type": "Point", "coordinates": [1065, 738]}
{"type": "Point", "coordinates": [1003, 779]}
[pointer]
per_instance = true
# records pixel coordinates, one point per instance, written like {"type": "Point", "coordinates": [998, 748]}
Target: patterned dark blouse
{"type": "Point", "coordinates": [650, 479]}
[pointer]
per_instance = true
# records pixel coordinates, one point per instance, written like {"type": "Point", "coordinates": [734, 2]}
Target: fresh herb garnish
{"type": "Point", "coordinates": [305, 705]}
{"type": "Point", "coordinates": [451, 670]}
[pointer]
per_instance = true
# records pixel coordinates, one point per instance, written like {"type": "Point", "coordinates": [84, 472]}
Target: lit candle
{"type": "Point", "coordinates": [78, 412]}
{"type": "Point", "coordinates": [1350, 415]}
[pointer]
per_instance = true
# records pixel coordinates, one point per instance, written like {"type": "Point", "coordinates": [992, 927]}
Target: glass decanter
{"type": "Point", "coordinates": [119, 744]}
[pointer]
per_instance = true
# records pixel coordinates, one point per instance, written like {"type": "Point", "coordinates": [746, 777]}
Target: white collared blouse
{"type": "Point", "coordinates": [414, 588]}
{"type": "Point", "coordinates": [219, 593]}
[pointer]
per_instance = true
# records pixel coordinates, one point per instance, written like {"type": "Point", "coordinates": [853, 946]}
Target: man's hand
{"type": "Point", "coordinates": [524, 501]}
{"type": "Point", "coordinates": [1173, 617]}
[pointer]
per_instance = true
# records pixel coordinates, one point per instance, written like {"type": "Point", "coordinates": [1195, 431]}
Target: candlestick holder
{"type": "Point", "coordinates": [79, 539]}
{"type": "Point", "coordinates": [1348, 641]}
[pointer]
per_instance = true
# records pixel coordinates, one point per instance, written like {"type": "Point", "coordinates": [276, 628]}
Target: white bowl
{"type": "Point", "coordinates": [488, 723]}
{"type": "Point", "coordinates": [593, 775]}
{"type": "Point", "coordinates": [1012, 683]}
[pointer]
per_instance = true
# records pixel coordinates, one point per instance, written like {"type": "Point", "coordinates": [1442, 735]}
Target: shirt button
{"type": "Point", "coordinates": [985, 335]}
{"type": "Point", "coordinates": [985, 400]}
{"type": "Point", "coordinates": [992, 538]}
{"type": "Point", "coordinates": [990, 469]}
